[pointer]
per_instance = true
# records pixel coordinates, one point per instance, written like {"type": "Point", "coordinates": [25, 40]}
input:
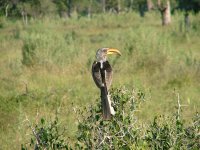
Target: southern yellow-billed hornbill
{"type": "Point", "coordinates": [102, 75]}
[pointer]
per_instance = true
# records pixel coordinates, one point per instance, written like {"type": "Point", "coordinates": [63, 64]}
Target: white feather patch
{"type": "Point", "coordinates": [112, 111]}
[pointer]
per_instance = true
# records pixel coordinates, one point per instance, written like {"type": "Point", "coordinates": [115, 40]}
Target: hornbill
{"type": "Point", "coordinates": [102, 75]}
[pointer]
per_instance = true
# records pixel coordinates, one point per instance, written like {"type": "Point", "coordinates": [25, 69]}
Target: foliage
{"type": "Point", "coordinates": [119, 133]}
{"type": "Point", "coordinates": [171, 132]}
{"type": "Point", "coordinates": [154, 59]}
{"type": "Point", "coordinates": [37, 8]}
{"type": "Point", "coordinates": [46, 135]}
{"type": "Point", "coordinates": [189, 5]}
{"type": "Point", "coordinates": [123, 131]}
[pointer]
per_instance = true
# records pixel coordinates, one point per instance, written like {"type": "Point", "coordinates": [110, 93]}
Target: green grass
{"type": "Point", "coordinates": [46, 66]}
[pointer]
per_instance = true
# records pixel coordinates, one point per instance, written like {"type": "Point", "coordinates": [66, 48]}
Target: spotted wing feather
{"type": "Point", "coordinates": [96, 74]}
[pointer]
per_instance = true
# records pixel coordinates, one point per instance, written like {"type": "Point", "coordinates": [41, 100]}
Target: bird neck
{"type": "Point", "coordinates": [101, 58]}
{"type": "Point", "coordinates": [101, 63]}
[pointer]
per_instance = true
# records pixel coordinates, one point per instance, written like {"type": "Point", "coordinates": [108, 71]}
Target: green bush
{"type": "Point", "coordinates": [172, 133]}
{"type": "Point", "coordinates": [46, 135]}
{"type": "Point", "coordinates": [123, 131]}
{"type": "Point", "coordinates": [29, 53]}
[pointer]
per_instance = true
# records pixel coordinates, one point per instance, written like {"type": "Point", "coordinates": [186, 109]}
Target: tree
{"type": "Point", "coordinates": [165, 11]}
{"type": "Point", "coordinates": [150, 5]}
{"type": "Point", "coordinates": [69, 7]}
{"type": "Point", "coordinates": [187, 6]}
{"type": "Point", "coordinates": [103, 5]}
{"type": "Point", "coordinates": [119, 5]}
{"type": "Point", "coordinates": [8, 7]}
{"type": "Point", "coordinates": [61, 7]}
{"type": "Point", "coordinates": [139, 5]}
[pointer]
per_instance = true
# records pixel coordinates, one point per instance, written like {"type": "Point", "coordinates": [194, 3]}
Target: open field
{"type": "Point", "coordinates": [46, 66]}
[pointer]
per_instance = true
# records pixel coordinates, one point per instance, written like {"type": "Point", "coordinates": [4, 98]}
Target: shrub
{"type": "Point", "coordinates": [123, 131]}
{"type": "Point", "coordinates": [47, 135]}
{"type": "Point", "coordinates": [172, 133]}
{"type": "Point", "coordinates": [29, 53]}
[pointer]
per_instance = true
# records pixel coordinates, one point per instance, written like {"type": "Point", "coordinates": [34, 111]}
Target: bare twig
{"type": "Point", "coordinates": [33, 131]}
{"type": "Point", "coordinates": [105, 137]}
{"type": "Point", "coordinates": [179, 106]}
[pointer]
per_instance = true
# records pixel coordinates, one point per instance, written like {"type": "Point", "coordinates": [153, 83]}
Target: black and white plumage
{"type": "Point", "coordinates": [102, 75]}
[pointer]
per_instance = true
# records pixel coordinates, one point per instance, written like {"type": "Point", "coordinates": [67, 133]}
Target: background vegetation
{"type": "Point", "coordinates": [46, 69]}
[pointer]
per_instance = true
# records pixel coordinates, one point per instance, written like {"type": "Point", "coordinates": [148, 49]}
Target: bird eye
{"type": "Point", "coordinates": [104, 50]}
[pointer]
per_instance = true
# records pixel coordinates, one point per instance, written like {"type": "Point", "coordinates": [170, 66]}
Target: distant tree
{"type": "Point", "coordinates": [4, 6]}
{"type": "Point", "coordinates": [9, 7]}
{"type": "Point", "coordinates": [84, 8]}
{"type": "Point", "coordinates": [137, 5]}
{"type": "Point", "coordinates": [69, 7]}
{"type": "Point", "coordinates": [103, 5]}
{"type": "Point", "coordinates": [150, 5]}
{"type": "Point", "coordinates": [165, 11]}
{"type": "Point", "coordinates": [37, 8]}
{"type": "Point", "coordinates": [64, 7]}
{"type": "Point", "coordinates": [61, 7]}
{"type": "Point", "coordinates": [141, 7]}
{"type": "Point", "coordinates": [90, 8]}
{"type": "Point", "coordinates": [112, 5]}
{"type": "Point", "coordinates": [119, 5]}
{"type": "Point", "coordinates": [187, 6]}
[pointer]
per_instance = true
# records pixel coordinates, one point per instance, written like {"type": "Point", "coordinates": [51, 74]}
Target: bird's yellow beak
{"type": "Point", "coordinates": [113, 50]}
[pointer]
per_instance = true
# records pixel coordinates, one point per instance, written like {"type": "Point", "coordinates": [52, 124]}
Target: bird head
{"type": "Point", "coordinates": [102, 53]}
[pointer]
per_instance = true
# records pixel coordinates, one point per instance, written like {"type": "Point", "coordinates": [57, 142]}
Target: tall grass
{"type": "Point", "coordinates": [46, 66]}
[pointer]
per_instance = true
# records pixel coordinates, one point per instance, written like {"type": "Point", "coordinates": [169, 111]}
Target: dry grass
{"type": "Point", "coordinates": [155, 59]}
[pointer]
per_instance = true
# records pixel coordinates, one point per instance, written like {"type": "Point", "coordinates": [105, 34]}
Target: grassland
{"type": "Point", "coordinates": [46, 66]}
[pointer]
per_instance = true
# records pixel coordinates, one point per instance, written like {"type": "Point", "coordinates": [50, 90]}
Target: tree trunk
{"type": "Point", "coordinates": [69, 5]}
{"type": "Point", "coordinates": [187, 21]}
{"type": "Point", "coordinates": [141, 10]}
{"type": "Point", "coordinates": [90, 9]}
{"type": "Point", "coordinates": [159, 3]}
{"type": "Point", "coordinates": [7, 10]}
{"type": "Point", "coordinates": [165, 12]}
{"type": "Point", "coordinates": [24, 17]}
{"type": "Point", "coordinates": [63, 14]}
{"type": "Point", "coordinates": [118, 6]}
{"type": "Point", "coordinates": [104, 5]}
{"type": "Point", "coordinates": [149, 5]}
{"type": "Point", "coordinates": [130, 5]}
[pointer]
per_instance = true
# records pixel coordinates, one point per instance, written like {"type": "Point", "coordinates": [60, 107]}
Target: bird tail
{"type": "Point", "coordinates": [106, 104]}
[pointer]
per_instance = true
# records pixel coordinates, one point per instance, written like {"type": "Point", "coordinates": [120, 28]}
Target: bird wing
{"type": "Point", "coordinates": [105, 73]}
{"type": "Point", "coordinates": [108, 74]}
{"type": "Point", "coordinates": [96, 74]}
